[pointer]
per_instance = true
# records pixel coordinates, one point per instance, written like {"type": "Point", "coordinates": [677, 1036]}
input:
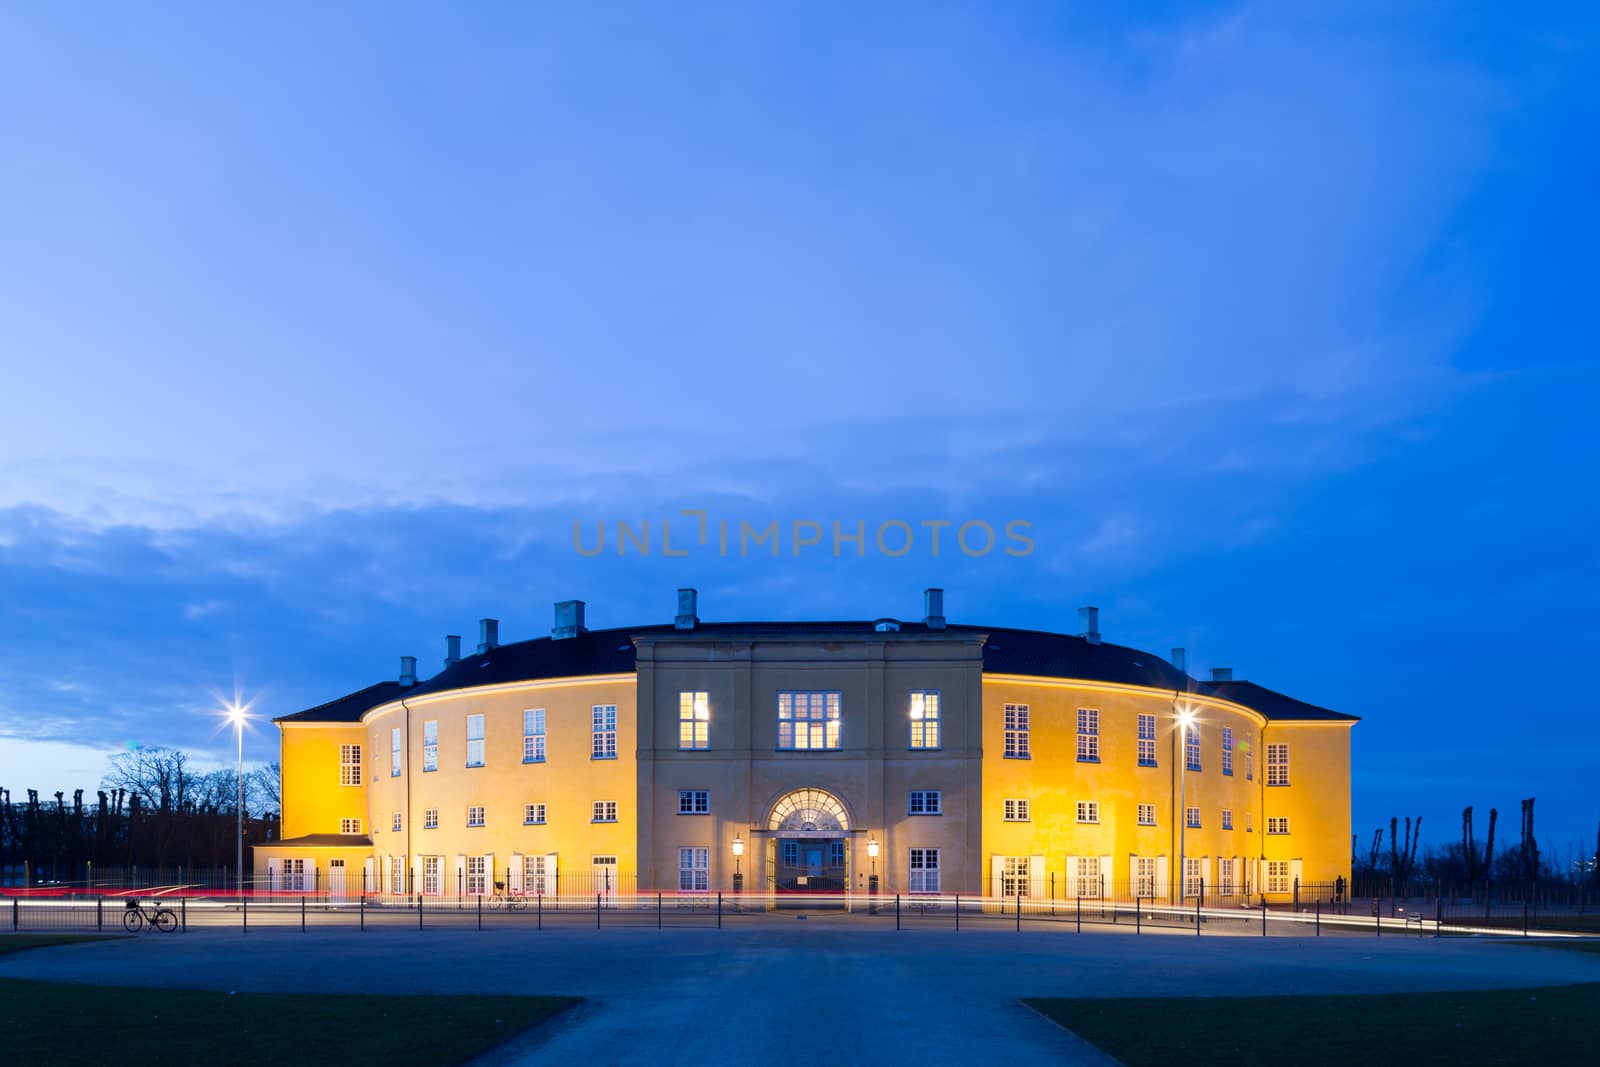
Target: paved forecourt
{"type": "Point", "coordinates": [814, 990]}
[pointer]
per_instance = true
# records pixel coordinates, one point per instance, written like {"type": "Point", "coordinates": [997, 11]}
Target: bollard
{"type": "Point", "coordinates": [597, 911]}
{"type": "Point", "coordinates": [99, 913]}
{"type": "Point", "coordinates": [1138, 913]}
{"type": "Point", "coordinates": [1019, 911]}
{"type": "Point", "coordinates": [362, 909]}
{"type": "Point", "coordinates": [1524, 917]}
{"type": "Point", "coordinates": [480, 911]}
{"type": "Point", "coordinates": [958, 912]}
{"type": "Point", "coordinates": [1078, 920]}
{"type": "Point", "coordinates": [1319, 916]}
{"type": "Point", "coordinates": [1438, 916]}
{"type": "Point", "coordinates": [16, 913]}
{"type": "Point", "coordinates": [1263, 916]}
{"type": "Point", "coordinates": [897, 911]}
{"type": "Point", "coordinates": [1377, 922]}
{"type": "Point", "coordinates": [1197, 901]}
{"type": "Point", "coordinates": [658, 909]}
{"type": "Point", "coordinates": [244, 915]}
{"type": "Point", "coordinates": [302, 913]}
{"type": "Point", "coordinates": [183, 913]}
{"type": "Point", "coordinates": [719, 909]}
{"type": "Point", "coordinates": [538, 911]}
{"type": "Point", "coordinates": [419, 911]}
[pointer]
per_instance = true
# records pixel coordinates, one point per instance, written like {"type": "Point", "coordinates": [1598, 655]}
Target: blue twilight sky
{"type": "Point", "coordinates": [321, 325]}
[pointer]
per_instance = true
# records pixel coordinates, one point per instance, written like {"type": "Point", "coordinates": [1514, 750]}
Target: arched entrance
{"type": "Point", "coordinates": [810, 845]}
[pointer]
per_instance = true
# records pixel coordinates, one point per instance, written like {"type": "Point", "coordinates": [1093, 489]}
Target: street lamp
{"type": "Point", "coordinates": [872, 880]}
{"type": "Point", "coordinates": [237, 716]}
{"type": "Point", "coordinates": [1185, 718]}
{"type": "Point", "coordinates": [738, 851]}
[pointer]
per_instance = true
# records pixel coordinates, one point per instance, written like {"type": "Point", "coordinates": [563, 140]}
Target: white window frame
{"type": "Point", "coordinates": [1277, 877]}
{"type": "Point", "coordinates": [430, 818]}
{"type": "Point", "coordinates": [397, 759]}
{"type": "Point", "coordinates": [430, 745]}
{"type": "Point", "coordinates": [810, 720]}
{"type": "Point", "coordinates": [925, 802]}
{"type": "Point", "coordinates": [694, 869]}
{"type": "Point", "coordinates": [1088, 735]}
{"type": "Point", "coordinates": [1088, 811]}
{"type": "Point", "coordinates": [533, 735]}
{"type": "Point", "coordinates": [694, 720]}
{"type": "Point", "coordinates": [1191, 818]}
{"type": "Point", "coordinates": [1147, 814]}
{"type": "Point", "coordinates": [533, 814]}
{"type": "Point", "coordinates": [477, 876]}
{"type": "Point", "coordinates": [694, 802]}
{"type": "Point", "coordinates": [476, 749]}
{"type": "Point", "coordinates": [1278, 763]}
{"type": "Point", "coordinates": [603, 723]}
{"type": "Point", "coordinates": [349, 764]}
{"type": "Point", "coordinates": [432, 875]}
{"type": "Point", "coordinates": [349, 826]}
{"type": "Point", "coordinates": [1147, 740]}
{"type": "Point", "coordinates": [1194, 873]}
{"type": "Point", "coordinates": [397, 875]}
{"type": "Point", "coordinates": [923, 866]}
{"type": "Point", "coordinates": [1018, 742]}
{"type": "Point", "coordinates": [1191, 747]}
{"type": "Point", "coordinates": [1227, 751]}
{"type": "Point", "coordinates": [1278, 825]}
{"type": "Point", "coordinates": [395, 822]}
{"type": "Point", "coordinates": [1091, 879]}
{"type": "Point", "coordinates": [1015, 876]}
{"type": "Point", "coordinates": [924, 712]}
{"type": "Point", "coordinates": [603, 811]}
{"type": "Point", "coordinates": [1227, 818]}
{"type": "Point", "coordinates": [1144, 876]}
{"type": "Point", "coordinates": [477, 815]}
{"type": "Point", "coordinates": [1015, 809]}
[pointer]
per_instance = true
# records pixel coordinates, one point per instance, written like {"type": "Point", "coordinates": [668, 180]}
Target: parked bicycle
{"type": "Point", "coordinates": [135, 915]}
{"type": "Point", "coordinates": [503, 899]}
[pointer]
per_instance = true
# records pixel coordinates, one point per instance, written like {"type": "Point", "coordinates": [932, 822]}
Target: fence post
{"type": "Point", "coordinates": [1019, 911]}
{"type": "Point", "coordinates": [1138, 907]}
{"type": "Point", "coordinates": [419, 911]}
{"type": "Point", "coordinates": [183, 913]}
{"type": "Point", "coordinates": [1263, 916]}
{"type": "Point", "coordinates": [1078, 919]}
{"type": "Point", "coordinates": [362, 909]}
{"type": "Point", "coordinates": [302, 913]}
{"type": "Point", "coordinates": [658, 909]}
{"type": "Point", "coordinates": [99, 913]}
{"type": "Point", "coordinates": [1438, 916]}
{"type": "Point", "coordinates": [480, 911]}
{"type": "Point", "coordinates": [16, 913]}
{"type": "Point", "coordinates": [1319, 916]}
{"type": "Point", "coordinates": [719, 909]}
{"type": "Point", "coordinates": [1377, 918]}
{"type": "Point", "coordinates": [897, 911]}
{"type": "Point", "coordinates": [597, 911]}
{"type": "Point", "coordinates": [1524, 916]}
{"type": "Point", "coordinates": [538, 910]}
{"type": "Point", "coordinates": [958, 904]}
{"type": "Point", "coordinates": [1297, 894]}
{"type": "Point", "coordinates": [244, 915]}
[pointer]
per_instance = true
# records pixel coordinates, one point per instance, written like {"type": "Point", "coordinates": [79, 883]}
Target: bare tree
{"type": "Point", "coordinates": [159, 777]}
{"type": "Point", "coordinates": [266, 782]}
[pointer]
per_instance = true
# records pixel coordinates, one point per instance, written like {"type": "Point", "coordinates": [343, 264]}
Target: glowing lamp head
{"type": "Point", "coordinates": [738, 845]}
{"type": "Point", "coordinates": [872, 848]}
{"type": "Point", "coordinates": [1186, 717]}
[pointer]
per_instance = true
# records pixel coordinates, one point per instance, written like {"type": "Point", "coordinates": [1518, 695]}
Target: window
{"type": "Point", "coordinates": [430, 819]}
{"type": "Point", "coordinates": [430, 745]}
{"type": "Point", "coordinates": [294, 874]}
{"type": "Point", "coordinates": [534, 871]}
{"type": "Point", "coordinates": [1014, 876]}
{"type": "Point", "coordinates": [533, 814]}
{"type": "Point", "coordinates": [1249, 765]}
{"type": "Point", "coordinates": [1147, 740]}
{"type": "Point", "coordinates": [1193, 876]}
{"type": "Point", "coordinates": [925, 719]}
{"type": "Point", "coordinates": [1017, 731]}
{"type": "Point", "coordinates": [694, 870]}
{"type": "Point", "coordinates": [396, 752]}
{"type": "Point", "coordinates": [1144, 876]}
{"type": "Point", "coordinates": [1227, 751]}
{"type": "Point", "coordinates": [475, 876]}
{"type": "Point", "coordinates": [1191, 747]}
{"type": "Point", "coordinates": [397, 875]}
{"type": "Point", "coordinates": [394, 822]}
{"type": "Point", "coordinates": [432, 874]}
{"type": "Point", "coordinates": [924, 870]}
{"type": "Point", "coordinates": [349, 764]}
{"type": "Point", "coordinates": [349, 826]}
{"type": "Point", "coordinates": [694, 802]}
{"type": "Point", "coordinates": [1089, 880]}
{"type": "Point", "coordinates": [836, 853]}
{"type": "Point", "coordinates": [808, 720]}
{"type": "Point", "coordinates": [791, 853]}
{"type": "Point", "coordinates": [1227, 818]}
{"type": "Point", "coordinates": [475, 815]}
{"type": "Point", "coordinates": [926, 802]}
{"type": "Point", "coordinates": [1016, 810]}
{"type": "Point", "coordinates": [1088, 811]}
{"type": "Point", "coordinates": [1088, 735]}
{"type": "Point", "coordinates": [1277, 876]}
{"type": "Point", "coordinates": [604, 811]}
{"type": "Point", "coordinates": [1147, 814]}
{"type": "Point", "coordinates": [1225, 876]}
{"type": "Point", "coordinates": [533, 735]}
{"type": "Point", "coordinates": [1191, 818]}
{"type": "Point", "coordinates": [474, 740]}
{"type": "Point", "coordinates": [605, 732]}
{"type": "Point", "coordinates": [1249, 822]}
{"type": "Point", "coordinates": [694, 720]}
{"type": "Point", "coordinates": [1277, 824]}
{"type": "Point", "coordinates": [1278, 764]}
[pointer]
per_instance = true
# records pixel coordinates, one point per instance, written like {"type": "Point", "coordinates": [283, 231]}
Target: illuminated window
{"type": "Point", "coordinates": [396, 752]}
{"type": "Point", "coordinates": [1227, 751]}
{"type": "Point", "coordinates": [605, 732]}
{"type": "Point", "coordinates": [533, 735]}
{"type": "Point", "coordinates": [474, 740]}
{"type": "Point", "coordinates": [1277, 876]}
{"type": "Point", "coordinates": [430, 745]}
{"type": "Point", "coordinates": [394, 822]}
{"type": "Point", "coordinates": [533, 814]}
{"type": "Point", "coordinates": [349, 764]}
{"type": "Point", "coordinates": [1227, 818]}
{"type": "Point", "coordinates": [1278, 764]}
{"type": "Point", "coordinates": [1147, 814]}
{"type": "Point", "coordinates": [694, 802]}
{"type": "Point", "coordinates": [1090, 881]}
{"type": "Point", "coordinates": [1088, 811]}
{"type": "Point", "coordinates": [926, 802]}
{"type": "Point", "coordinates": [349, 826]}
{"type": "Point", "coordinates": [808, 721]}
{"type": "Point", "coordinates": [1144, 876]}
{"type": "Point", "coordinates": [430, 819]}
{"type": "Point", "coordinates": [1016, 810]}
{"type": "Point", "coordinates": [475, 876]}
{"type": "Point", "coordinates": [1014, 876]}
{"type": "Point", "coordinates": [432, 875]}
{"type": "Point", "coordinates": [1147, 740]}
{"type": "Point", "coordinates": [694, 870]}
{"type": "Point", "coordinates": [924, 870]}
{"type": "Point", "coordinates": [925, 719]}
{"type": "Point", "coordinates": [1088, 735]}
{"type": "Point", "coordinates": [1277, 824]}
{"type": "Point", "coordinates": [1017, 732]}
{"type": "Point", "coordinates": [791, 853]}
{"type": "Point", "coordinates": [475, 815]}
{"type": "Point", "coordinates": [1193, 876]}
{"type": "Point", "coordinates": [604, 811]}
{"type": "Point", "coordinates": [1192, 818]}
{"type": "Point", "coordinates": [1191, 747]}
{"type": "Point", "coordinates": [694, 720]}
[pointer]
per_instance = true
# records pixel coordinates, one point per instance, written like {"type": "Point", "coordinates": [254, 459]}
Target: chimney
{"type": "Point", "coordinates": [452, 650]}
{"type": "Point", "coordinates": [1089, 625]}
{"type": "Point", "coordinates": [1180, 660]}
{"type": "Point", "coordinates": [569, 619]}
{"type": "Point", "coordinates": [1222, 674]}
{"type": "Point", "coordinates": [933, 608]}
{"type": "Point", "coordinates": [688, 601]}
{"type": "Point", "coordinates": [408, 671]}
{"type": "Point", "coordinates": [488, 634]}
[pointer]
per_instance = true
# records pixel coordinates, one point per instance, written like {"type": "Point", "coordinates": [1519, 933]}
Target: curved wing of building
{"type": "Point", "coordinates": [917, 757]}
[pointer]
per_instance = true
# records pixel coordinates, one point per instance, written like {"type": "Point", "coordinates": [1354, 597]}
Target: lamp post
{"type": "Point", "coordinates": [738, 851]}
{"type": "Point", "coordinates": [237, 716]}
{"type": "Point", "coordinates": [1185, 718]}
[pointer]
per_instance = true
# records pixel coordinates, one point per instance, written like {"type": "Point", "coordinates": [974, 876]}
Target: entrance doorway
{"type": "Point", "coordinates": [809, 847]}
{"type": "Point", "coordinates": [812, 864]}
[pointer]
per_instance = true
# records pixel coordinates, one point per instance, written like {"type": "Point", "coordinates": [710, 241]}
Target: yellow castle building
{"type": "Point", "coordinates": [906, 757]}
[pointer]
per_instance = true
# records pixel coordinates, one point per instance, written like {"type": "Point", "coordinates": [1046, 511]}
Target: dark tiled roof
{"type": "Point", "coordinates": [1006, 651]}
{"type": "Point", "coordinates": [1275, 705]}
{"type": "Point", "coordinates": [320, 841]}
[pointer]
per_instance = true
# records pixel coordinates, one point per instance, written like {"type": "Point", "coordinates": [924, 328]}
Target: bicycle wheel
{"type": "Point", "coordinates": [497, 901]}
{"type": "Point", "coordinates": [132, 921]}
{"type": "Point", "coordinates": [165, 921]}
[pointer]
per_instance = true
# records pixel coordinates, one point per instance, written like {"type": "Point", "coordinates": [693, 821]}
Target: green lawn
{"type": "Point", "coordinates": [1547, 1025]}
{"type": "Point", "coordinates": [22, 942]}
{"type": "Point", "coordinates": [60, 1024]}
